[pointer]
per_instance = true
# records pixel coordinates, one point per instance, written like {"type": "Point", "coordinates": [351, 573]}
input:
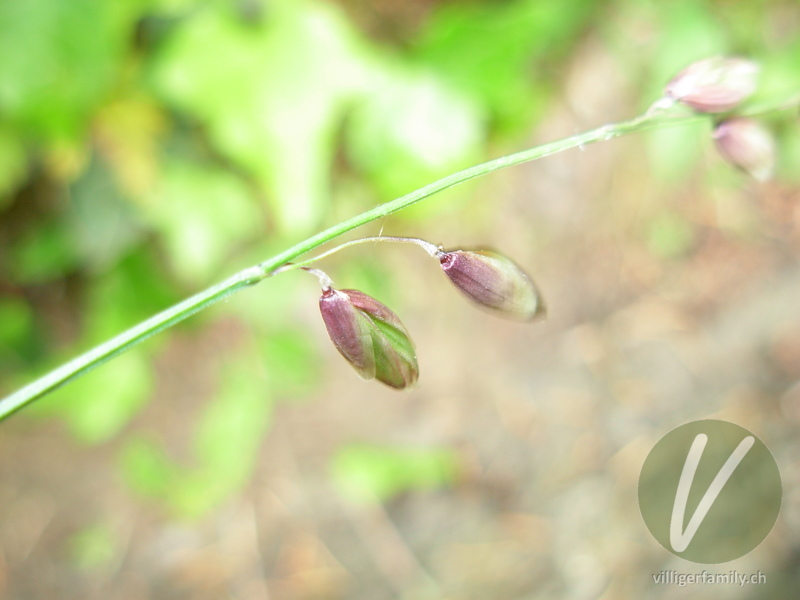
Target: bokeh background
{"type": "Point", "coordinates": [149, 148]}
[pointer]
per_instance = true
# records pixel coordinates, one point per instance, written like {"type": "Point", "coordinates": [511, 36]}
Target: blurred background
{"type": "Point", "coordinates": [149, 148]}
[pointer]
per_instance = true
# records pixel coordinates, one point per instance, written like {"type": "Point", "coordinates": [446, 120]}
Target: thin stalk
{"type": "Point", "coordinates": [431, 249]}
{"type": "Point", "coordinates": [324, 281]}
{"type": "Point", "coordinates": [606, 132]}
{"type": "Point", "coordinates": [252, 275]}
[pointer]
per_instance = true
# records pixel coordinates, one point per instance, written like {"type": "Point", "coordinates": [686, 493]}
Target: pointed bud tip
{"type": "Point", "coordinates": [715, 84]}
{"type": "Point", "coordinates": [493, 281]}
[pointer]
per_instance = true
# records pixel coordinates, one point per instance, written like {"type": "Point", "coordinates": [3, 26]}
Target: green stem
{"type": "Point", "coordinates": [126, 340]}
{"type": "Point", "coordinates": [252, 275]}
{"type": "Point", "coordinates": [606, 132]}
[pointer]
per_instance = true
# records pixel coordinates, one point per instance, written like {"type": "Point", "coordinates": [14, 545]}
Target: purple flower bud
{"type": "Point", "coordinates": [494, 281]}
{"type": "Point", "coordinates": [370, 337]}
{"type": "Point", "coordinates": [715, 84]}
{"type": "Point", "coordinates": [746, 144]}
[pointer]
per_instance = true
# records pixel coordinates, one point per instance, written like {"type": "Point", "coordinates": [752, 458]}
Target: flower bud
{"type": "Point", "coordinates": [494, 281]}
{"type": "Point", "coordinates": [746, 144]}
{"type": "Point", "coordinates": [370, 337]}
{"type": "Point", "coordinates": [714, 84]}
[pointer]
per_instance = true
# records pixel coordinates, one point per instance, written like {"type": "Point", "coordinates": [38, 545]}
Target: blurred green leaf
{"type": "Point", "coordinates": [13, 165]}
{"type": "Point", "coordinates": [93, 546]}
{"type": "Point", "coordinates": [102, 224]}
{"type": "Point", "coordinates": [291, 362]}
{"type": "Point", "coordinates": [231, 426]}
{"type": "Point", "coordinates": [175, 6]}
{"type": "Point", "coordinates": [500, 53]}
{"type": "Point", "coordinates": [16, 322]}
{"type": "Point", "coordinates": [97, 406]}
{"type": "Point", "coordinates": [788, 155]}
{"type": "Point", "coordinates": [225, 449]}
{"type": "Point", "coordinates": [675, 152]}
{"type": "Point", "coordinates": [669, 235]}
{"type": "Point", "coordinates": [94, 229]}
{"type": "Point", "coordinates": [202, 213]}
{"type": "Point", "coordinates": [132, 291]}
{"type": "Point", "coordinates": [130, 133]}
{"type": "Point", "coordinates": [18, 344]}
{"type": "Point", "coordinates": [43, 253]}
{"type": "Point", "coordinates": [226, 443]}
{"type": "Point", "coordinates": [20, 347]}
{"type": "Point", "coordinates": [195, 493]}
{"type": "Point", "coordinates": [368, 473]}
{"type": "Point", "coordinates": [780, 73]}
{"type": "Point", "coordinates": [411, 130]}
{"type": "Point", "coordinates": [147, 469]}
{"type": "Point", "coordinates": [59, 60]}
{"type": "Point", "coordinates": [272, 94]}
